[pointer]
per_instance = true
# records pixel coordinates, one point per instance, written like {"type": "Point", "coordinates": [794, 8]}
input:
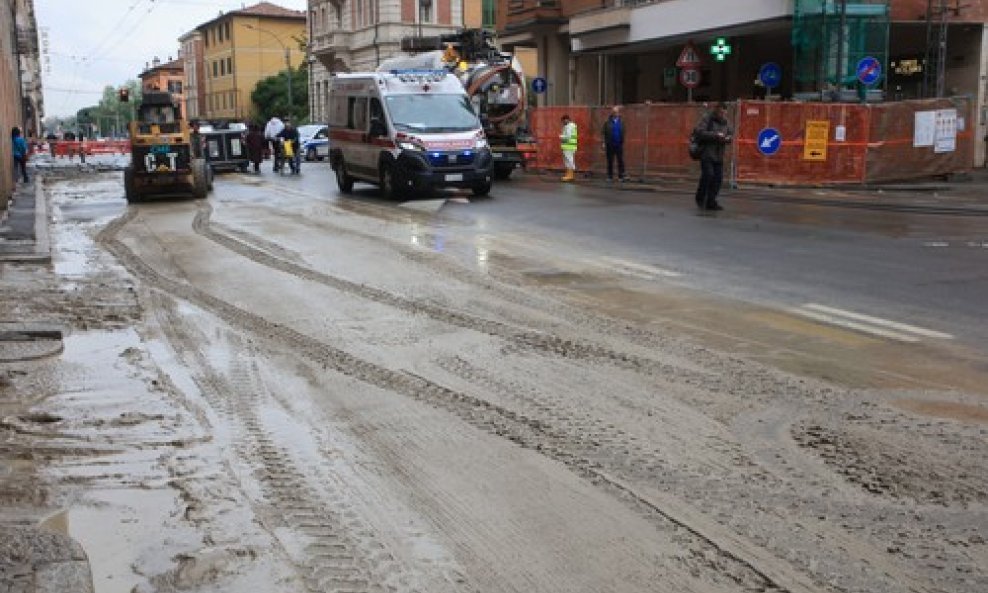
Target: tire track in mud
{"type": "Point", "coordinates": [341, 554]}
{"type": "Point", "coordinates": [760, 382]}
{"type": "Point", "coordinates": [537, 341]}
{"type": "Point", "coordinates": [596, 444]}
{"type": "Point", "coordinates": [745, 564]}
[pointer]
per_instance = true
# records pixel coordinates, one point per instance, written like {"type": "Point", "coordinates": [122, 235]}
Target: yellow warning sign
{"type": "Point", "coordinates": [815, 145]}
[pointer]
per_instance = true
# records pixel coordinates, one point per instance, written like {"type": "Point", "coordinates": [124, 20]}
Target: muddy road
{"type": "Point", "coordinates": [265, 391]}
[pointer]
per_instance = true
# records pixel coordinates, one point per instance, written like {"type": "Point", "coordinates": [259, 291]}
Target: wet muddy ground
{"type": "Point", "coordinates": [265, 392]}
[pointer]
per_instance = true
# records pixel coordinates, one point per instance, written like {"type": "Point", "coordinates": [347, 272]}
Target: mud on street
{"type": "Point", "coordinates": [263, 391]}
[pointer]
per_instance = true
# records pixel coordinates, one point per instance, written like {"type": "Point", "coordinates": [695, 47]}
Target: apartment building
{"type": "Point", "coordinates": [241, 48]}
{"type": "Point", "coordinates": [193, 69]}
{"type": "Point", "coordinates": [165, 76]}
{"type": "Point", "coordinates": [357, 35]}
{"type": "Point", "coordinates": [625, 51]}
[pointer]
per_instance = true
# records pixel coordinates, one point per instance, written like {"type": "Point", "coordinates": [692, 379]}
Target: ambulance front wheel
{"type": "Point", "coordinates": [389, 182]}
{"type": "Point", "coordinates": [481, 189]}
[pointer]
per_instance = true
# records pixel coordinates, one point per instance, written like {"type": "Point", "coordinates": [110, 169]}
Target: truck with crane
{"type": "Point", "coordinates": [493, 79]}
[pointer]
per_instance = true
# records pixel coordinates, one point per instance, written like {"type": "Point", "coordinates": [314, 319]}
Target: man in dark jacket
{"type": "Point", "coordinates": [714, 134]}
{"type": "Point", "coordinates": [614, 143]}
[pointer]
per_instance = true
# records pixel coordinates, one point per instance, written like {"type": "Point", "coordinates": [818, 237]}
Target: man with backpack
{"type": "Point", "coordinates": [712, 134]}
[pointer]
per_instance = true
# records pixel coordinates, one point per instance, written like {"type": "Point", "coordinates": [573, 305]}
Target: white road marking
{"type": "Point", "coordinates": [637, 269]}
{"type": "Point", "coordinates": [861, 327]}
{"type": "Point", "coordinates": [902, 327]}
{"type": "Point", "coordinates": [936, 244]}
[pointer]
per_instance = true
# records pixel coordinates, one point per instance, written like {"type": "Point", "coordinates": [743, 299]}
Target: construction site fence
{"type": "Point", "coordinates": [73, 148]}
{"type": "Point", "coordinates": [816, 143]}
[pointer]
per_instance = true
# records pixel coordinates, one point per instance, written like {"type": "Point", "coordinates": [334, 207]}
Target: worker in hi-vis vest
{"type": "Point", "coordinates": [567, 142]}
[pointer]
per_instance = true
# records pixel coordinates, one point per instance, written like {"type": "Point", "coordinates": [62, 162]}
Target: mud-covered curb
{"type": "Point", "coordinates": [35, 560]}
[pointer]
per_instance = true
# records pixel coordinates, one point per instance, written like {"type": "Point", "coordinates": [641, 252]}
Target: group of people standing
{"type": "Point", "coordinates": [712, 132]}
{"type": "Point", "coordinates": [282, 138]}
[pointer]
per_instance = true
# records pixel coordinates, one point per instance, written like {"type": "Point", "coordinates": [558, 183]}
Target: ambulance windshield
{"type": "Point", "coordinates": [432, 113]}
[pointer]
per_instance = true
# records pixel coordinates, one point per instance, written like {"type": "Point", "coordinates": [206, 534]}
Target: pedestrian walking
{"type": "Point", "coordinates": [20, 152]}
{"type": "Point", "coordinates": [271, 131]}
{"type": "Point", "coordinates": [255, 146]}
{"type": "Point", "coordinates": [614, 143]}
{"type": "Point", "coordinates": [291, 147]}
{"type": "Point", "coordinates": [713, 134]}
{"type": "Point", "coordinates": [568, 143]}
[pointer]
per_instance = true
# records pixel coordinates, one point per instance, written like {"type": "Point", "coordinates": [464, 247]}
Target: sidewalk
{"type": "Point", "coordinates": [32, 559]}
{"type": "Point", "coordinates": [24, 225]}
{"type": "Point", "coordinates": [962, 195]}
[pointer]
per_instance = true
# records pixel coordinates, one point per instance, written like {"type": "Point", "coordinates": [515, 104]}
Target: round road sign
{"type": "Point", "coordinates": [689, 77]}
{"type": "Point", "coordinates": [539, 85]}
{"type": "Point", "coordinates": [869, 71]}
{"type": "Point", "coordinates": [769, 141]}
{"type": "Point", "coordinates": [770, 75]}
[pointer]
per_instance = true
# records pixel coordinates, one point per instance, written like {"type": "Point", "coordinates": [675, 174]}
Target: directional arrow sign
{"type": "Point", "coordinates": [769, 141]}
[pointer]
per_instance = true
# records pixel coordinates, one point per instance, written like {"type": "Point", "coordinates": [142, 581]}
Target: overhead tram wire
{"type": "Point", "coordinates": [130, 31]}
{"type": "Point", "coordinates": [86, 60]}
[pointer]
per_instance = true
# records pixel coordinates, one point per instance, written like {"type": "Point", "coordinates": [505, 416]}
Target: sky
{"type": "Point", "coordinates": [95, 43]}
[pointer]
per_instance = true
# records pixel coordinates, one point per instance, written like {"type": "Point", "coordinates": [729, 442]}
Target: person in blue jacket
{"type": "Point", "coordinates": [20, 152]}
{"type": "Point", "coordinates": [614, 132]}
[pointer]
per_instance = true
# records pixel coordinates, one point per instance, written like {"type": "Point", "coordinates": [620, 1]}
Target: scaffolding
{"type": "Point", "coordinates": [830, 38]}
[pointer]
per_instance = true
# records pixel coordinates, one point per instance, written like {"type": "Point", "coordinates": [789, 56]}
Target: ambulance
{"type": "Point", "coordinates": [408, 132]}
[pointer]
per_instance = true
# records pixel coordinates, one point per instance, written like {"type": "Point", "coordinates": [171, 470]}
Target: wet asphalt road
{"type": "Point", "coordinates": [915, 269]}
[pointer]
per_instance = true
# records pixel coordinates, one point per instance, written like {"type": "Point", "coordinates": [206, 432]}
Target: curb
{"type": "Point", "coordinates": [37, 250]}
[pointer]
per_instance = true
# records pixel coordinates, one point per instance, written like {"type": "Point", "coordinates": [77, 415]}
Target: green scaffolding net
{"type": "Point", "coordinates": [830, 39]}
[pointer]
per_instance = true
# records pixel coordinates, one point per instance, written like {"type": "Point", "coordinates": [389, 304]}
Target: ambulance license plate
{"type": "Point", "coordinates": [454, 177]}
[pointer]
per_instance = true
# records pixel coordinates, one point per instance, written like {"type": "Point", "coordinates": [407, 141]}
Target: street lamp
{"type": "Point", "coordinates": [288, 60]}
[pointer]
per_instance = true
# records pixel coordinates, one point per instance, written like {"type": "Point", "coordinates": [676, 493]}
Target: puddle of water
{"type": "Point", "coordinates": [114, 531]}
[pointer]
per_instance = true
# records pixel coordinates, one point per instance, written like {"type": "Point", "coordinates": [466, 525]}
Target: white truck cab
{"type": "Point", "coordinates": [407, 131]}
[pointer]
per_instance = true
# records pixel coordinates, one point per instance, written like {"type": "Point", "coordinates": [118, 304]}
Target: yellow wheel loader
{"type": "Point", "coordinates": [166, 160]}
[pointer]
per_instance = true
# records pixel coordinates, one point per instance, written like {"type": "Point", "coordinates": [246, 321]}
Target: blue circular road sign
{"type": "Point", "coordinates": [770, 75]}
{"type": "Point", "coordinates": [539, 85]}
{"type": "Point", "coordinates": [769, 141]}
{"type": "Point", "coordinates": [869, 70]}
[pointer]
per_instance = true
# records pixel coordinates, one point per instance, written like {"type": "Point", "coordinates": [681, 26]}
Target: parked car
{"type": "Point", "coordinates": [307, 131]}
{"type": "Point", "coordinates": [316, 148]}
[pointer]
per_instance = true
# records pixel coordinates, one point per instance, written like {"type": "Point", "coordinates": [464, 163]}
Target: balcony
{"type": "Point", "coordinates": [600, 21]}
{"type": "Point", "coordinates": [526, 13]}
{"type": "Point", "coordinates": [333, 42]}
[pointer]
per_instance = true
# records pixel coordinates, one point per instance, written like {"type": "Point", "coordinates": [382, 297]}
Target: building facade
{"type": "Point", "coordinates": [357, 35]}
{"type": "Point", "coordinates": [618, 51]}
{"type": "Point", "coordinates": [239, 49]}
{"type": "Point", "coordinates": [168, 76]}
{"type": "Point", "coordinates": [193, 70]}
{"type": "Point", "coordinates": [21, 102]}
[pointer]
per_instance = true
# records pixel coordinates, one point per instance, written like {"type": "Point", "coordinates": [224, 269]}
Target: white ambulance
{"type": "Point", "coordinates": [407, 131]}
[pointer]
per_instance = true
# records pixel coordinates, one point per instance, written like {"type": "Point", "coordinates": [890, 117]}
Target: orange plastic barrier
{"type": "Point", "coordinates": [845, 160]}
{"type": "Point", "coordinates": [70, 148]}
{"type": "Point", "coordinates": [860, 143]}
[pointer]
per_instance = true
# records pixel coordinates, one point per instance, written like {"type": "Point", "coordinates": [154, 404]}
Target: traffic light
{"type": "Point", "coordinates": [124, 95]}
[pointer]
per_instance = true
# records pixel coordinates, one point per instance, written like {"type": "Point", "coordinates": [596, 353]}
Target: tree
{"type": "Point", "coordinates": [110, 116]}
{"type": "Point", "coordinates": [270, 96]}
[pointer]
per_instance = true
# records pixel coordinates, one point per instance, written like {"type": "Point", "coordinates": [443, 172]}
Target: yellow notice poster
{"type": "Point", "coordinates": [815, 146]}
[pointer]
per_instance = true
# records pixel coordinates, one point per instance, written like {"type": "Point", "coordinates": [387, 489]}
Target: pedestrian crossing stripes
{"type": "Point", "coordinates": [868, 324]}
